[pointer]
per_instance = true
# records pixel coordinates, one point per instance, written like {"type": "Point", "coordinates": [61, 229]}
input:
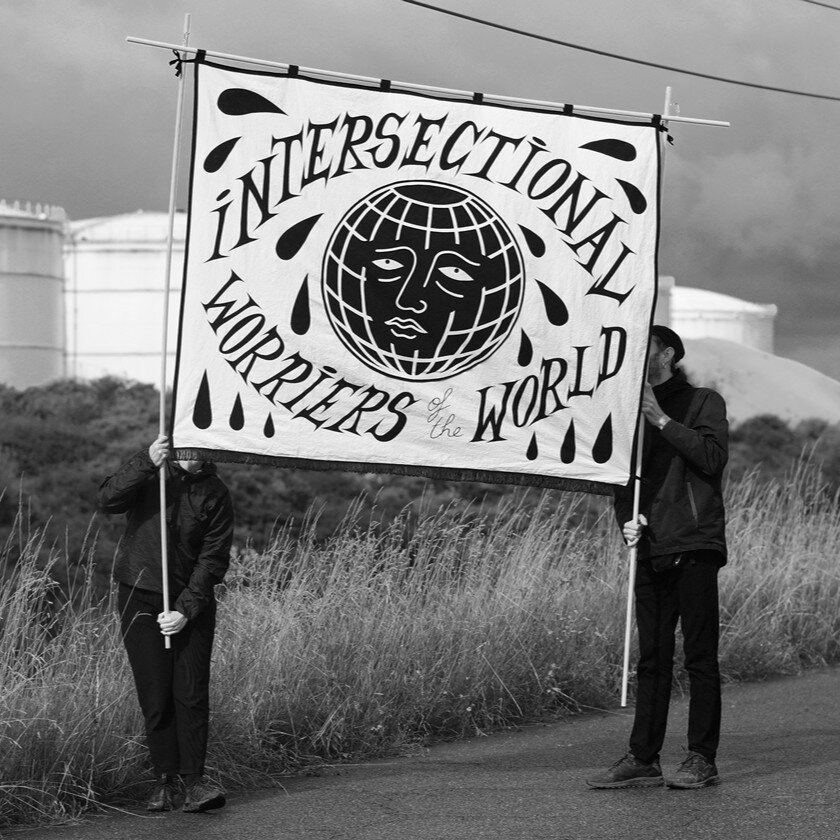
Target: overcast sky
{"type": "Point", "coordinates": [752, 210]}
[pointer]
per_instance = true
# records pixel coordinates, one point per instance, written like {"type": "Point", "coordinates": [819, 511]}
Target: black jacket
{"type": "Point", "coordinates": [682, 468]}
{"type": "Point", "coordinates": [199, 516]}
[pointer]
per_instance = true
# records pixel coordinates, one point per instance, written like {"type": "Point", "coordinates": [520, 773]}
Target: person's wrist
{"type": "Point", "coordinates": [662, 421]}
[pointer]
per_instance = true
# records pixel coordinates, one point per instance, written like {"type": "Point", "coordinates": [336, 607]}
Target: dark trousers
{"type": "Point", "coordinates": [687, 593]}
{"type": "Point", "coordinates": [173, 686]}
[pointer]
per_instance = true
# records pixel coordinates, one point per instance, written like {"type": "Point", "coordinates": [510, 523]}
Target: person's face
{"type": "Point", "coordinates": [421, 301]}
{"type": "Point", "coordinates": [659, 361]}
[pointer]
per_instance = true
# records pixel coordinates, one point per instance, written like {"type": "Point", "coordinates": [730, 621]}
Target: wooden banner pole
{"type": "Point", "coordinates": [173, 186]}
{"type": "Point", "coordinates": [411, 86]}
{"type": "Point", "coordinates": [637, 478]}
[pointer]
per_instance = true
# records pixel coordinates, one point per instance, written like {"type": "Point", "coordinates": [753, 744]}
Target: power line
{"type": "Point", "coordinates": [644, 63]}
{"type": "Point", "coordinates": [824, 5]}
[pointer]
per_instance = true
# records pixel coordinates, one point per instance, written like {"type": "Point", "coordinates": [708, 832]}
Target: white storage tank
{"type": "Point", "coordinates": [116, 276]}
{"type": "Point", "coordinates": [664, 289]}
{"type": "Point", "coordinates": [31, 288]}
{"type": "Point", "coordinates": [698, 313]}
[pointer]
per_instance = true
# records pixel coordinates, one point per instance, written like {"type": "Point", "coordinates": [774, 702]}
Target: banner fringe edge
{"type": "Point", "coordinates": [435, 473]}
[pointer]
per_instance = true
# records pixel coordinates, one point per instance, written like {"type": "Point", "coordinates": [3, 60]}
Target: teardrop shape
{"type": "Point", "coordinates": [567, 450]}
{"type": "Point", "coordinates": [534, 241]}
{"type": "Point", "coordinates": [237, 416]}
{"type": "Point", "coordinates": [238, 101]}
{"type": "Point", "coordinates": [202, 413]}
{"type": "Point", "coordinates": [300, 311]}
{"type": "Point", "coordinates": [268, 428]}
{"type": "Point", "coordinates": [526, 351]}
{"type": "Point", "coordinates": [638, 203]}
{"type": "Point", "coordinates": [603, 449]}
{"type": "Point", "coordinates": [555, 309]}
{"type": "Point", "coordinates": [533, 449]}
{"type": "Point", "coordinates": [292, 240]}
{"type": "Point", "coordinates": [612, 147]}
{"type": "Point", "coordinates": [213, 162]}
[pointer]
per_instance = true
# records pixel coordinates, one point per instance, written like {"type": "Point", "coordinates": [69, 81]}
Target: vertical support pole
{"type": "Point", "coordinates": [631, 564]}
{"type": "Point", "coordinates": [173, 186]}
{"type": "Point", "coordinates": [637, 478]}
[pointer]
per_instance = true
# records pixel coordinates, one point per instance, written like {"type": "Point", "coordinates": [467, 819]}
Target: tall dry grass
{"type": "Point", "coordinates": [443, 624]}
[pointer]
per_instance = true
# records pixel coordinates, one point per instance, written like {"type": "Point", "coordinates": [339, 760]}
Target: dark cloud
{"type": "Point", "coordinates": [751, 210]}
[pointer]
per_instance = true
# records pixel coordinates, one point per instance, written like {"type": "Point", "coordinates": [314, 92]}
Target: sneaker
{"type": "Point", "coordinates": [628, 771]}
{"type": "Point", "coordinates": [203, 796]}
{"type": "Point", "coordinates": [695, 772]}
{"type": "Point", "coordinates": [162, 795]}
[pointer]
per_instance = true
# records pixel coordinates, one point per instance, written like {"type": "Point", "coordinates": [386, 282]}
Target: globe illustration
{"type": "Point", "coordinates": [422, 281]}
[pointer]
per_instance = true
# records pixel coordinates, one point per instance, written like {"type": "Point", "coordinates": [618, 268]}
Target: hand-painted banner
{"type": "Point", "coordinates": [389, 282]}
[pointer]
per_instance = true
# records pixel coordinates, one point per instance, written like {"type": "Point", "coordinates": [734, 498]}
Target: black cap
{"type": "Point", "coordinates": [670, 339]}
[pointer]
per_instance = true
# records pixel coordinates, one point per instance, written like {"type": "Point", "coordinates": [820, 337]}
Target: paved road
{"type": "Point", "coordinates": [780, 764]}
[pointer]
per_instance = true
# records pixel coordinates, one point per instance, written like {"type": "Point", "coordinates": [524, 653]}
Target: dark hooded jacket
{"type": "Point", "coordinates": [199, 516]}
{"type": "Point", "coordinates": [682, 469]}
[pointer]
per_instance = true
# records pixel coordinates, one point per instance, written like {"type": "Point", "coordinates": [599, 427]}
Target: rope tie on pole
{"type": "Point", "coordinates": [178, 62]}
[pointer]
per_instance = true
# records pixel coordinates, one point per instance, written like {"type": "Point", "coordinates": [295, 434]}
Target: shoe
{"type": "Point", "coordinates": [695, 772]}
{"type": "Point", "coordinates": [628, 771]}
{"type": "Point", "coordinates": [203, 796]}
{"type": "Point", "coordinates": [161, 797]}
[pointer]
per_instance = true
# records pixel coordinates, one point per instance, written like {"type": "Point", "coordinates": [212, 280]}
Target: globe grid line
{"type": "Point", "coordinates": [492, 238]}
{"type": "Point", "coordinates": [378, 356]}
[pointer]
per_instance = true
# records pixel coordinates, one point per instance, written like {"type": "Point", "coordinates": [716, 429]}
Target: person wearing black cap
{"type": "Point", "coordinates": [681, 544]}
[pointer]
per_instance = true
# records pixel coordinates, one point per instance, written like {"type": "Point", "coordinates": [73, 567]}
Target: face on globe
{"type": "Point", "coordinates": [422, 281]}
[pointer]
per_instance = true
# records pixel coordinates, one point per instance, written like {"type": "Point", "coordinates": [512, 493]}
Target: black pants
{"type": "Point", "coordinates": [689, 594]}
{"type": "Point", "coordinates": [173, 686]}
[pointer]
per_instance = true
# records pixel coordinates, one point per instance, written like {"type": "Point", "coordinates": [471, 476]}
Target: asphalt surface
{"type": "Point", "coordinates": [779, 762]}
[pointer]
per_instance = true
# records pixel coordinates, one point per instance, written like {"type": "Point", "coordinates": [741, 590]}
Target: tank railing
{"type": "Point", "coordinates": [36, 210]}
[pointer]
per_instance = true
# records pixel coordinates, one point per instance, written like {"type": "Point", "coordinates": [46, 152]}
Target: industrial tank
{"type": "Point", "coordinates": [116, 276]}
{"type": "Point", "coordinates": [31, 305]}
{"type": "Point", "coordinates": [698, 313]}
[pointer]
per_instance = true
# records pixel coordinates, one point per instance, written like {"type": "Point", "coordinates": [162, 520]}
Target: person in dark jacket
{"type": "Point", "coordinates": [172, 684]}
{"type": "Point", "coordinates": [681, 545]}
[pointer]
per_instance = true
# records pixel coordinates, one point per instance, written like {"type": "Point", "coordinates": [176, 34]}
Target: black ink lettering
{"type": "Point", "coordinates": [529, 383]}
{"type": "Point", "coordinates": [549, 386]}
{"type": "Point", "coordinates": [250, 190]}
{"type": "Point", "coordinates": [349, 123]}
{"type": "Point", "coordinates": [297, 369]}
{"type": "Point", "coordinates": [494, 416]}
{"type": "Point", "coordinates": [555, 185]}
{"type": "Point", "coordinates": [316, 153]}
{"type": "Point", "coordinates": [220, 224]}
{"type": "Point", "coordinates": [287, 142]}
{"type": "Point", "coordinates": [256, 317]}
{"type": "Point", "coordinates": [421, 141]}
{"type": "Point", "coordinates": [577, 390]}
{"type": "Point", "coordinates": [395, 408]}
{"type": "Point", "coordinates": [326, 402]}
{"type": "Point", "coordinates": [597, 240]}
{"type": "Point", "coordinates": [608, 332]}
{"type": "Point", "coordinates": [600, 287]}
{"type": "Point", "coordinates": [572, 195]}
{"type": "Point", "coordinates": [503, 142]}
{"type": "Point", "coordinates": [258, 351]}
{"type": "Point", "coordinates": [392, 138]}
{"type": "Point", "coordinates": [445, 163]}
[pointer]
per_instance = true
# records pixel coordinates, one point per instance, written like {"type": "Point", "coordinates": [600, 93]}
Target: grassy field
{"type": "Point", "coordinates": [446, 623]}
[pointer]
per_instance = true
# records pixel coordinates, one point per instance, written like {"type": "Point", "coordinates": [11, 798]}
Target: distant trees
{"type": "Point", "coordinates": [58, 442]}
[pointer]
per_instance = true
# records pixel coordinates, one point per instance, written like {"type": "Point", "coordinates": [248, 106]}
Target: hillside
{"type": "Point", "coordinates": [755, 383]}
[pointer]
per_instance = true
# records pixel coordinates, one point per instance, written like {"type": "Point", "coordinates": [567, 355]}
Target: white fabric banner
{"type": "Point", "coordinates": [390, 282]}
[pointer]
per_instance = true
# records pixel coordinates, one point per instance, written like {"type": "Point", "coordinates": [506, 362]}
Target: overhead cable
{"type": "Point", "coordinates": [594, 51]}
{"type": "Point", "coordinates": [824, 5]}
